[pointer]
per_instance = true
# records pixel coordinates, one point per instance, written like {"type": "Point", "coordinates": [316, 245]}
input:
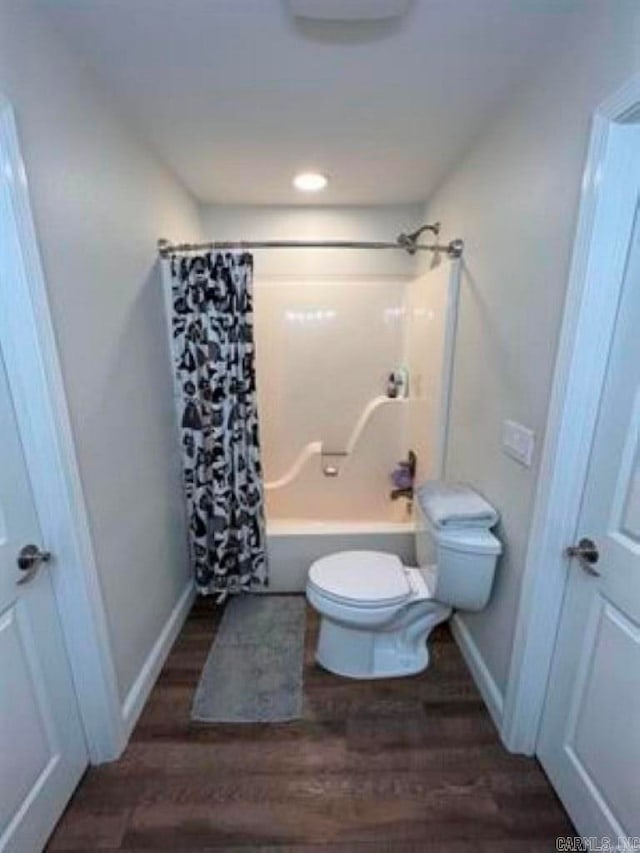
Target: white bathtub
{"type": "Point", "coordinates": [294, 543]}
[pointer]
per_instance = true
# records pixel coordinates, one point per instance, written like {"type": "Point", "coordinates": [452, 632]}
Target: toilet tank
{"type": "Point", "coordinates": [465, 560]}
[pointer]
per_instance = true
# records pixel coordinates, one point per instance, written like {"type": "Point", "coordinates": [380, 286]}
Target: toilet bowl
{"type": "Point", "coordinates": [377, 614]}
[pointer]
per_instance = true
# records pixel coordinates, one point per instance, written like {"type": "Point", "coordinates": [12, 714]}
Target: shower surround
{"type": "Point", "coordinates": [325, 346]}
{"type": "Point", "coordinates": [324, 351]}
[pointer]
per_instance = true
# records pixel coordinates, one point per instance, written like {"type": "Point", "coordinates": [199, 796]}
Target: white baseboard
{"type": "Point", "coordinates": [141, 687]}
{"type": "Point", "coordinates": [489, 690]}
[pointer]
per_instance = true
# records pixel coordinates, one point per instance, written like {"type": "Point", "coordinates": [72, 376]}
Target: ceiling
{"type": "Point", "coordinates": [237, 95]}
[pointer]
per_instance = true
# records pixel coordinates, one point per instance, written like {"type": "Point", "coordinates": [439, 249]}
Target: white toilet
{"type": "Point", "coordinates": [377, 614]}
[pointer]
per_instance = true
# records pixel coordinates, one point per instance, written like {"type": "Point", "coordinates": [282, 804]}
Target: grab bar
{"type": "Point", "coordinates": [315, 448]}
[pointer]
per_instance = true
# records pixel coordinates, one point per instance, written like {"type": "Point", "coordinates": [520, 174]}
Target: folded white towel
{"type": "Point", "coordinates": [455, 505]}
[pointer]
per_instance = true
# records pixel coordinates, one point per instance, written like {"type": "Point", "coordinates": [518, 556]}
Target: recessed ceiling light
{"type": "Point", "coordinates": [348, 10]}
{"type": "Point", "coordinates": [310, 182]}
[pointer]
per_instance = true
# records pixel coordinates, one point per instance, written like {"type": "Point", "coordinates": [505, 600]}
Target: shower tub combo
{"type": "Point", "coordinates": [327, 347]}
{"type": "Point", "coordinates": [330, 435]}
{"type": "Point", "coordinates": [341, 515]}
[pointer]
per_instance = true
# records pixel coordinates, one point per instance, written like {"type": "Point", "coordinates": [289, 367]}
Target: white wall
{"type": "Point", "coordinates": [100, 202]}
{"type": "Point", "coordinates": [514, 201]}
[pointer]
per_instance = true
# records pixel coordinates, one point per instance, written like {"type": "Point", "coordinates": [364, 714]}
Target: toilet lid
{"type": "Point", "coordinates": [368, 578]}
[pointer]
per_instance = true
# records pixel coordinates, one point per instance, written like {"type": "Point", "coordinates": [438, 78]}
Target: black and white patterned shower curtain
{"type": "Point", "coordinates": [213, 348]}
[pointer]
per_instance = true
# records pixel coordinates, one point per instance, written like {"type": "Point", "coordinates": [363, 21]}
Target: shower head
{"type": "Point", "coordinates": [410, 241]}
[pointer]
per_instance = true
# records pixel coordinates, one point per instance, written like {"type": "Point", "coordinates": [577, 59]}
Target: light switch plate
{"type": "Point", "coordinates": [518, 442]}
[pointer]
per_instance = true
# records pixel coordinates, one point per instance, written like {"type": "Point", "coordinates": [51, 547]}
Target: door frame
{"type": "Point", "coordinates": [37, 389]}
{"type": "Point", "coordinates": [599, 253]}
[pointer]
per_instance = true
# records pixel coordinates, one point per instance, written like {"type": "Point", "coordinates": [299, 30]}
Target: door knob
{"type": "Point", "coordinates": [29, 561]}
{"type": "Point", "coordinates": [587, 554]}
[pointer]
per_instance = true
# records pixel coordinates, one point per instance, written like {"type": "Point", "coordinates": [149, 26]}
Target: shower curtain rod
{"type": "Point", "coordinates": [408, 242]}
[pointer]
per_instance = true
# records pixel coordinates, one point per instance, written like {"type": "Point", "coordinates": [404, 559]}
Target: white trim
{"type": "Point", "coordinates": [609, 197]}
{"type": "Point", "coordinates": [38, 393]}
{"type": "Point", "coordinates": [330, 279]}
{"type": "Point", "coordinates": [485, 682]}
{"type": "Point", "coordinates": [142, 686]}
{"type": "Point", "coordinates": [446, 374]}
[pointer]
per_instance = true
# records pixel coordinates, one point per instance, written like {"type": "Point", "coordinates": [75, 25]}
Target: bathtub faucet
{"type": "Point", "coordinates": [402, 493]}
{"type": "Point", "coordinates": [403, 477]}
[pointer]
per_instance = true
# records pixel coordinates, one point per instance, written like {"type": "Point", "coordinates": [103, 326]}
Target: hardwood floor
{"type": "Point", "coordinates": [410, 764]}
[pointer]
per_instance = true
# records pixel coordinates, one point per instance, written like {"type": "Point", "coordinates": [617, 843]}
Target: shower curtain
{"type": "Point", "coordinates": [212, 326]}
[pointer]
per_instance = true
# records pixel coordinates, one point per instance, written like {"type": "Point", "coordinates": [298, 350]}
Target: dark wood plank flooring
{"type": "Point", "coordinates": [411, 764]}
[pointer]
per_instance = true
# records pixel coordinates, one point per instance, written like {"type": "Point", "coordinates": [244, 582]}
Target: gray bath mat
{"type": "Point", "coordinates": [254, 670]}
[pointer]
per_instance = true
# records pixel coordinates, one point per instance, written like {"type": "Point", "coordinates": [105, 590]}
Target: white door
{"type": "Point", "coordinates": [42, 747]}
{"type": "Point", "coordinates": [590, 734]}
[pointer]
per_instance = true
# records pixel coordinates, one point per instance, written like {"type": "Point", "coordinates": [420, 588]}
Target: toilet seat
{"type": "Point", "coordinates": [366, 579]}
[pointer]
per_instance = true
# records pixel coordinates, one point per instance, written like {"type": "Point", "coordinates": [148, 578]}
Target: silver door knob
{"type": "Point", "coordinates": [586, 553]}
{"type": "Point", "coordinates": [29, 561]}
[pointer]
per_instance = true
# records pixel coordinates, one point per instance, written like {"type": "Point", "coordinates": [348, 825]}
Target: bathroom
{"type": "Point", "coordinates": [283, 284]}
